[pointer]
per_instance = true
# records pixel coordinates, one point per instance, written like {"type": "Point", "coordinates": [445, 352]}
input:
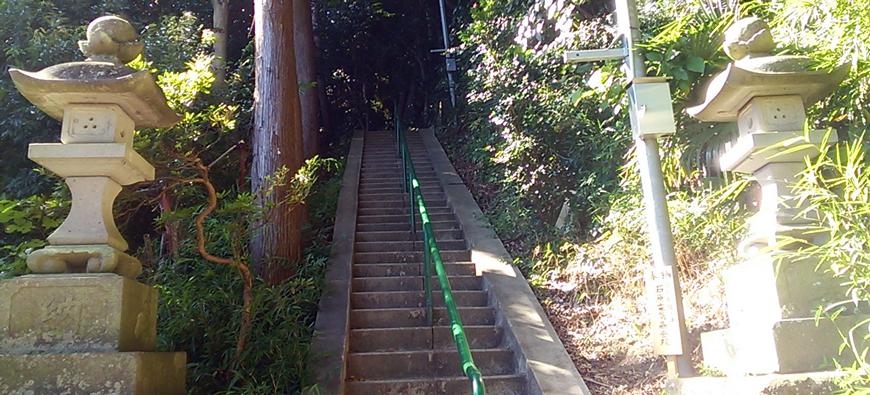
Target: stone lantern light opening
{"type": "Point", "coordinates": [81, 322]}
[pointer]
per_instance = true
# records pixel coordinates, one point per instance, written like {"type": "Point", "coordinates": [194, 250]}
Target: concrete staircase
{"type": "Point", "coordinates": [391, 349]}
{"type": "Point", "coordinates": [371, 334]}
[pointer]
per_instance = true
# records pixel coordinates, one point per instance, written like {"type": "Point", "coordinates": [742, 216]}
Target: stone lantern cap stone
{"type": "Point", "coordinates": [755, 73]}
{"type": "Point", "coordinates": [102, 79]}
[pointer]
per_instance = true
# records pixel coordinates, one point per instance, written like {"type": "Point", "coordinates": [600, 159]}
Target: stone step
{"type": "Point", "coordinates": [384, 185]}
{"type": "Point", "coordinates": [393, 182]}
{"type": "Point", "coordinates": [393, 210]}
{"type": "Point", "coordinates": [407, 339]}
{"type": "Point", "coordinates": [389, 152]}
{"type": "Point", "coordinates": [395, 246]}
{"type": "Point", "coordinates": [440, 235]}
{"type": "Point", "coordinates": [383, 284]}
{"type": "Point", "coordinates": [415, 156]}
{"type": "Point", "coordinates": [411, 317]}
{"type": "Point", "coordinates": [408, 256]}
{"type": "Point", "coordinates": [418, 162]}
{"type": "Point", "coordinates": [394, 173]}
{"type": "Point", "coordinates": [497, 385]}
{"type": "Point", "coordinates": [409, 269]}
{"type": "Point", "coordinates": [381, 197]}
{"type": "Point", "coordinates": [384, 177]}
{"type": "Point", "coordinates": [398, 189]}
{"type": "Point", "coordinates": [411, 299]}
{"type": "Point", "coordinates": [399, 218]}
{"type": "Point", "coordinates": [425, 364]}
{"type": "Point", "coordinates": [398, 203]}
{"type": "Point", "coordinates": [398, 183]}
{"type": "Point", "coordinates": [393, 167]}
{"type": "Point", "coordinates": [399, 226]}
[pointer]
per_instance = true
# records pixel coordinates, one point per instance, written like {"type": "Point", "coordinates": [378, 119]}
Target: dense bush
{"type": "Point", "coordinates": [200, 304]}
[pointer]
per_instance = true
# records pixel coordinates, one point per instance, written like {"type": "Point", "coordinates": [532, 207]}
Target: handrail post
{"type": "Point", "coordinates": [412, 196]}
{"type": "Point", "coordinates": [427, 278]}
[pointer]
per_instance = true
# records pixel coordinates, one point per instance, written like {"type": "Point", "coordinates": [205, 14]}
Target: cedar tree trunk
{"type": "Point", "coordinates": [306, 73]}
{"type": "Point", "coordinates": [276, 140]}
{"type": "Point", "coordinates": [220, 26]}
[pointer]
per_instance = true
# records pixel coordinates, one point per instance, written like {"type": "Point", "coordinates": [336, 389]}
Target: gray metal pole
{"type": "Point", "coordinates": [445, 34]}
{"type": "Point", "coordinates": [652, 181]}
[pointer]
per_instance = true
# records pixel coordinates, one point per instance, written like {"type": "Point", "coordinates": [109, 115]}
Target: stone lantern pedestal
{"type": "Point", "coordinates": [82, 324]}
{"type": "Point", "coordinates": [774, 342]}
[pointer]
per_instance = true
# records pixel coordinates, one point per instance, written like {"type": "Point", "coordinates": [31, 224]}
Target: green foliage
{"type": "Point", "coordinates": [37, 34]}
{"type": "Point", "coordinates": [199, 307]}
{"type": "Point", "coordinates": [24, 226]}
{"type": "Point", "coordinates": [836, 187]}
{"type": "Point", "coordinates": [530, 126]}
{"type": "Point", "coordinates": [201, 303]}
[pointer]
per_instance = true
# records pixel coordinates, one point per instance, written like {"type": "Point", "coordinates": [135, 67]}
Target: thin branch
{"type": "Point", "coordinates": [242, 267]}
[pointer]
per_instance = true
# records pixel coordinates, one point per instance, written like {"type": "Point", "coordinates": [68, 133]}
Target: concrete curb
{"type": "Point", "coordinates": [540, 352]}
{"type": "Point", "coordinates": [328, 362]}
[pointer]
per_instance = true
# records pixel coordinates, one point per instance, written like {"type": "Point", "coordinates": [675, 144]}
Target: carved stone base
{"type": "Point", "coordinates": [76, 313]}
{"type": "Point", "coordinates": [133, 373]}
{"type": "Point", "coordinates": [83, 334]}
{"type": "Point", "coordinates": [788, 346]}
{"type": "Point", "coordinates": [83, 259]}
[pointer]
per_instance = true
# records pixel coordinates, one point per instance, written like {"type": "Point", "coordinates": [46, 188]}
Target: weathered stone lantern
{"type": "Point", "coordinates": [774, 337]}
{"type": "Point", "coordinates": [82, 324]}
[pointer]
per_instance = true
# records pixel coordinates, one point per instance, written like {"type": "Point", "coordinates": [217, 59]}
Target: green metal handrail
{"type": "Point", "coordinates": [432, 257]}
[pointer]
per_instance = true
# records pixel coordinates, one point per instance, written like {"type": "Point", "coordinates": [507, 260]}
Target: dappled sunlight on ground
{"type": "Point", "coordinates": [608, 339]}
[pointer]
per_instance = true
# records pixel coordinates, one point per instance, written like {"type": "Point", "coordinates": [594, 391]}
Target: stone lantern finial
{"type": "Point", "coordinates": [111, 39]}
{"type": "Point", "coordinates": [747, 37]}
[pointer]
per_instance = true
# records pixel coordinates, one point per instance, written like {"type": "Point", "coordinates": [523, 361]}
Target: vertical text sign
{"type": "Point", "coordinates": [662, 309]}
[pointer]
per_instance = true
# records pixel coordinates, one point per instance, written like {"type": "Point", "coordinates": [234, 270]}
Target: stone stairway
{"type": "Point", "coordinates": [391, 348]}
{"type": "Point", "coordinates": [371, 333]}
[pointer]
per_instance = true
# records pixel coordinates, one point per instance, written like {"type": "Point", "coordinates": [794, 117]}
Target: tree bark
{"type": "Point", "coordinates": [306, 73]}
{"type": "Point", "coordinates": [220, 26]}
{"type": "Point", "coordinates": [276, 140]}
{"type": "Point", "coordinates": [322, 99]}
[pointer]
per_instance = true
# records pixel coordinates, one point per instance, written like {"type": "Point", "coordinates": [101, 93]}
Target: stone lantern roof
{"type": "Point", "coordinates": [755, 72]}
{"type": "Point", "coordinates": [101, 79]}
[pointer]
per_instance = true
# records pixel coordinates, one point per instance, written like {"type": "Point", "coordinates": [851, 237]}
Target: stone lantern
{"type": "Point", "coordinates": [773, 337]}
{"type": "Point", "coordinates": [81, 323]}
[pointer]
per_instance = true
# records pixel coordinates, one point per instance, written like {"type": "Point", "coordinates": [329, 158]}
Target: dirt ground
{"type": "Point", "coordinates": [608, 341]}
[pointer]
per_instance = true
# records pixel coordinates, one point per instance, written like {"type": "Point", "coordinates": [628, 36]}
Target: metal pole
{"type": "Point", "coordinates": [450, 84]}
{"type": "Point", "coordinates": [655, 201]}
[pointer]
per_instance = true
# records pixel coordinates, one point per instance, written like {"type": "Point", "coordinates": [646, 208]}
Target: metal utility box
{"type": "Point", "coordinates": [652, 111]}
{"type": "Point", "coordinates": [451, 64]}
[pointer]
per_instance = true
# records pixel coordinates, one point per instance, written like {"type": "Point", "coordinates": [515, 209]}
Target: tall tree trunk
{"type": "Point", "coordinates": [220, 26]}
{"type": "Point", "coordinates": [276, 140]}
{"type": "Point", "coordinates": [306, 73]}
{"type": "Point", "coordinates": [322, 100]}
